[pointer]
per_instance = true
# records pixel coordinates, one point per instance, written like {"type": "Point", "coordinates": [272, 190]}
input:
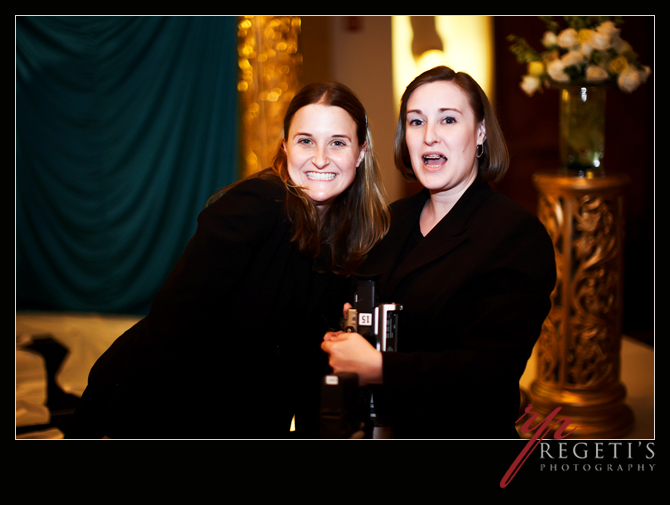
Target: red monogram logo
{"type": "Point", "coordinates": [541, 430]}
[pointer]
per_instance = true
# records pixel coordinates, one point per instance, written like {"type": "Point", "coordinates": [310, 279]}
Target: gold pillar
{"type": "Point", "coordinates": [270, 67]}
{"type": "Point", "coordinates": [579, 348]}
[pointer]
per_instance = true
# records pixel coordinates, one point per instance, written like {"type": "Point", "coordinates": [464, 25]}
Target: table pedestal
{"type": "Point", "coordinates": [578, 366]}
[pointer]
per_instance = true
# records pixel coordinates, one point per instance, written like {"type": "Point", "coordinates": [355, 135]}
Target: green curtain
{"type": "Point", "coordinates": [124, 127]}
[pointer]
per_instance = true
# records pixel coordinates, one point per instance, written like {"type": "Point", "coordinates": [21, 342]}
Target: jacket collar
{"type": "Point", "coordinates": [448, 234]}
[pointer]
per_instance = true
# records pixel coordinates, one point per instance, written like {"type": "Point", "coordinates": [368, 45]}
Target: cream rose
{"type": "Point", "coordinates": [530, 84]}
{"type": "Point", "coordinates": [629, 80]}
{"type": "Point", "coordinates": [600, 41]}
{"type": "Point", "coordinates": [608, 28]}
{"type": "Point", "coordinates": [573, 58]}
{"type": "Point", "coordinates": [555, 69]}
{"type": "Point", "coordinates": [568, 38]}
{"type": "Point", "coordinates": [596, 74]}
{"type": "Point", "coordinates": [549, 39]}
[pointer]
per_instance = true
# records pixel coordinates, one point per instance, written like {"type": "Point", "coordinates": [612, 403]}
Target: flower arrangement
{"type": "Point", "coordinates": [589, 50]}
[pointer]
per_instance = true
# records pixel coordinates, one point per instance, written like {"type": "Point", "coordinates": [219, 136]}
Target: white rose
{"type": "Point", "coordinates": [573, 58]}
{"type": "Point", "coordinates": [629, 80]}
{"type": "Point", "coordinates": [596, 74]}
{"type": "Point", "coordinates": [530, 84]}
{"type": "Point", "coordinates": [555, 69]}
{"type": "Point", "coordinates": [608, 28]}
{"type": "Point", "coordinates": [600, 41]}
{"type": "Point", "coordinates": [568, 38]}
{"type": "Point", "coordinates": [586, 49]}
{"type": "Point", "coordinates": [549, 39]}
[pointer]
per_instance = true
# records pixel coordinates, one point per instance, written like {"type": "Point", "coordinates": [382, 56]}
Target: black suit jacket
{"type": "Point", "coordinates": [475, 292]}
{"type": "Point", "coordinates": [231, 346]}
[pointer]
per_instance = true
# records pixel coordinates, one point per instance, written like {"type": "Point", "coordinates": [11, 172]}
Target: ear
{"type": "Point", "coordinates": [481, 132]}
{"type": "Point", "coordinates": [361, 155]}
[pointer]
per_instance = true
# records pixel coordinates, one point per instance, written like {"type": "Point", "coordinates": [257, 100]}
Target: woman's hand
{"type": "Point", "coordinates": [350, 352]}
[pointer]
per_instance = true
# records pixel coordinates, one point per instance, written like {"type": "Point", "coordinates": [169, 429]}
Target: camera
{"type": "Point", "coordinates": [378, 323]}
{"type": "Point", "coordinates": [347, 411]}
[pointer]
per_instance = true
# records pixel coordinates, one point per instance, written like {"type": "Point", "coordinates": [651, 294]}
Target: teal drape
{"type": "Point", "coordinates": [124, 127]}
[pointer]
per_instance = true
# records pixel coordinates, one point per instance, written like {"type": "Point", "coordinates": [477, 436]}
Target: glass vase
{"type": "Point", "coordinates": [582, 130]}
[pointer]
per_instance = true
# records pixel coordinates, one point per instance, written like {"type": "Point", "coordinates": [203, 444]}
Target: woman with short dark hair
{"type": "Point", "coordinates": [493, 160]}
{"type": "Point", "coordinates": [472, 270]}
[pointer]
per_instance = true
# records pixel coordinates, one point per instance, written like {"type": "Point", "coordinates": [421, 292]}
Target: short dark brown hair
{"type": "Point", "coordinates": [495, 158]}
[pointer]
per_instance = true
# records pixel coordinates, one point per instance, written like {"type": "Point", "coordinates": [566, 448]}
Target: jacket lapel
{"type": "Point", "coordinates": [447, 235]}
{"type": "Point", "coordinates": [382, 259]}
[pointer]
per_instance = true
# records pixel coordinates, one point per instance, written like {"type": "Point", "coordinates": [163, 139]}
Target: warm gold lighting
{"type": "Point", "coordinates": [467, 46]}
{"type": "Point", "coordinates": [270, 65]}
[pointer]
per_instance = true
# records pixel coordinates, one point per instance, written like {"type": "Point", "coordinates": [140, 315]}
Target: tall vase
{"type": "Point", "coordinates": [582, 130]}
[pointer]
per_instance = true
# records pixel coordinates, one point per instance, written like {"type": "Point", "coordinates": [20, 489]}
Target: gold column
{"type": "Point", "coordinates": [270, 67]}
{"type": "Point", "coordinates": [579, 348]}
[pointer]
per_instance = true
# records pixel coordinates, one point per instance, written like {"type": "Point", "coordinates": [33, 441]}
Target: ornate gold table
{"type": "Point", "coordinates": [578, 366]}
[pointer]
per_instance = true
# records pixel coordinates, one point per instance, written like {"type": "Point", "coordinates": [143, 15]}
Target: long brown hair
{"type": "Point", "coordinates": [359, 217]}
{"type": "Point", "coordinates": [495, 157]}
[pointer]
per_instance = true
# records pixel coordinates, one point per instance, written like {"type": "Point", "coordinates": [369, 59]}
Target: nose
{"type": "Point", "coordinates": [320, 159]}
{"type": "Point", "coordinates": [430, 135]}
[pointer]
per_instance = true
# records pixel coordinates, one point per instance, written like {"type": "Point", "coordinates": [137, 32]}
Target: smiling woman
{"type": "Point", "coordinates": [323, 153]}
{"type": "Point", "coordinates": [214, 359]}
{"type": "Point", "coordinates": [358, 217]}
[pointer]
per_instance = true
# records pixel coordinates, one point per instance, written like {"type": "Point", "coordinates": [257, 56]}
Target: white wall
{"type": "Point", "coordinates": [362, 59]}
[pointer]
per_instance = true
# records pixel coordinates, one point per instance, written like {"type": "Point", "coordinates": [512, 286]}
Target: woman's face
{"type": "Point", "coordinates": [442, 136]}
{"type": "Point", "coordinates": [323, 152]}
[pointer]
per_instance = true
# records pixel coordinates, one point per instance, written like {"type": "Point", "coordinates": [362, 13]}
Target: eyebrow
{"type": "Point", "coordinates": [444, 109]}
{"type": "Point", "coordinates": [337, 135]}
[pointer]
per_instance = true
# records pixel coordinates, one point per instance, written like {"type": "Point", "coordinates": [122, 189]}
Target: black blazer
{"type": "Point", "coordinates": [231, 346]}
{"type": "Point", "coordinates": [475, 292]}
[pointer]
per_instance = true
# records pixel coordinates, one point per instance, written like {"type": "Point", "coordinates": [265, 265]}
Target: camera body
{"type": "Point", "coordinates": [347, 411]}
{"type": "Point", "coordinates": [377, 322]}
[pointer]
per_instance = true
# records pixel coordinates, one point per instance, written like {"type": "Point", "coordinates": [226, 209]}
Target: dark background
{"type": "Point", "coordinates": [530, 125]}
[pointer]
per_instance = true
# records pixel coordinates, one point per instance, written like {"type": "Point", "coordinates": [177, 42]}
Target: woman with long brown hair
{"type": "Point", "coordinates": [231, 346]}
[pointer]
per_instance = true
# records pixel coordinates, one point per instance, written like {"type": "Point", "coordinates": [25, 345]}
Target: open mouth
{"type": "Point", "coordinates": [434, 160]}
{"type": "Point", "coordinates": [321, 176]}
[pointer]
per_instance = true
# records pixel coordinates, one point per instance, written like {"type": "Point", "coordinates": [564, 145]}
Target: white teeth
{"type": "Point", "coordinates": [321, 176]}
{"type": "Point", "coordinates": [431, 158]}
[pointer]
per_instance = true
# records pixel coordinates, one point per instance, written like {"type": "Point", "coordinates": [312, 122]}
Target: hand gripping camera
{"type": "Point", "coordinates": [345, 407]}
